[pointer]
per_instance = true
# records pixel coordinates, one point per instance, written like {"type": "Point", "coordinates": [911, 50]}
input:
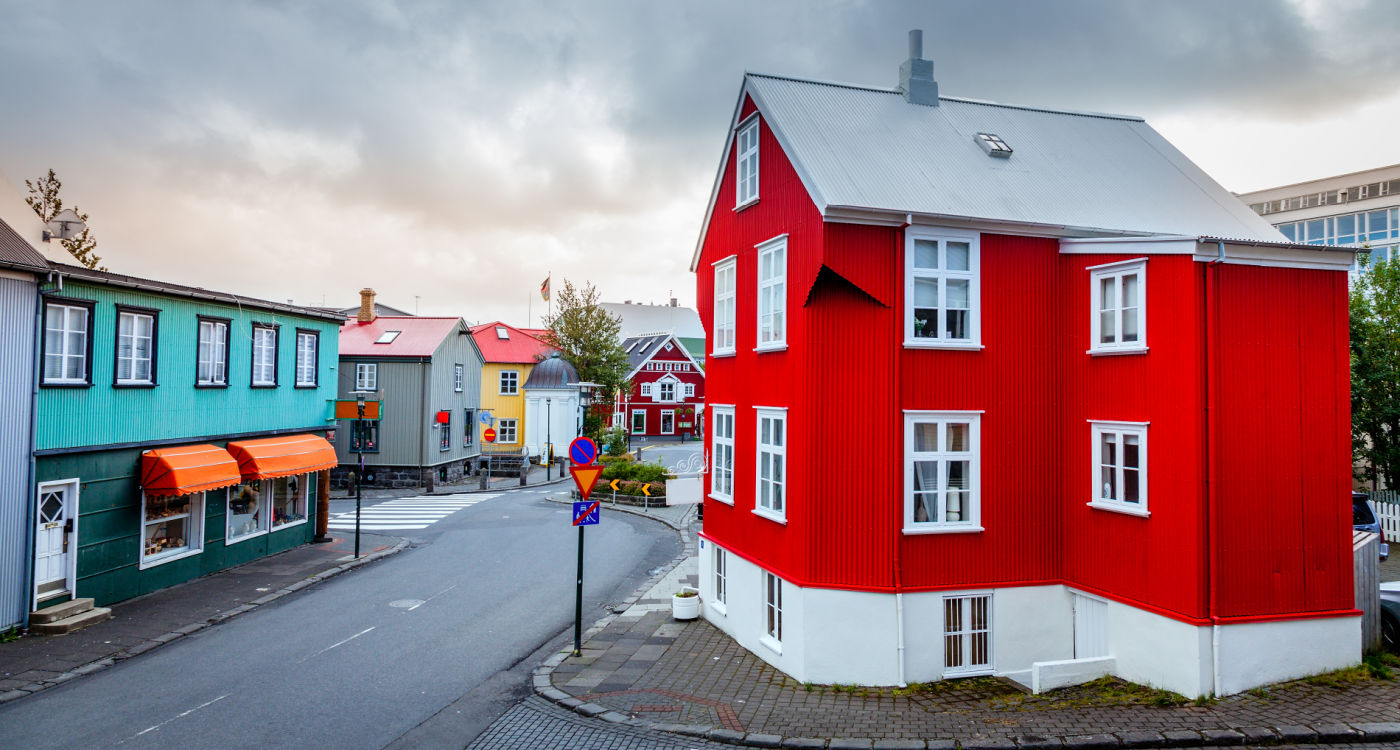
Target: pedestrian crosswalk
{"type": "Point", "coordinates": [407, 513]}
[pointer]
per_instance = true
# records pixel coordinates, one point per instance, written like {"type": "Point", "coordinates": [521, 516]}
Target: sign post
{"type": "Point", "coordinates": [582, 451]}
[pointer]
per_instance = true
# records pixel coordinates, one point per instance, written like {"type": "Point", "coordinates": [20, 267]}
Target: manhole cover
{"type": "Point", "coordinates": [406, 603]}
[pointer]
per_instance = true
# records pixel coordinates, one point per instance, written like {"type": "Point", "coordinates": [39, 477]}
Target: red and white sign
{"type": "Point", "coordinates": [490, 435]}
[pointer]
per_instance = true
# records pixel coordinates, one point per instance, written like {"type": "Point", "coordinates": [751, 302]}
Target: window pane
{"type": "Point", "coordinates": [1377, 225]}
{"type": "Point", "coordinates": [1109, 482]}
{"type": "Point", "coordinates": [1107, 327]}
{"type": "Point", "coordinates": [925, 254]}
{"type": "Point", "coordinates": [244, 509]}
{"type": "Point", "coordinates": [778, 432]}
{"type": "Point", "coordinates": [925, 507]}
{"type": "Point", "coordinates": [926, 437]}
{"type": "Point", "coordinates": [1107, 293]}
{"type": "Point", "coordinates": [958, 294]}
{"type": "Point", "coordinates": [957, 437]}
{"type": "Point", "coordinates": [1130, 290]}
{"type": "Point", "coordinates": [1131, 318]}
{"type": "Point", "coordinates": [958, 254]}
{"type": "Point", "coordinates": [925, 476]}
{"type": "Point", "coordinates": [1130, 486]}
{"type": "Point", "coordinates": [957, 324]}
{"type": "Point", "coordinates": [1130, 451]}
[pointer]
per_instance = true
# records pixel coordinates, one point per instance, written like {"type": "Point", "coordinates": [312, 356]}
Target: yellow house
{"type": "Point", "coordinates": [510, 354]}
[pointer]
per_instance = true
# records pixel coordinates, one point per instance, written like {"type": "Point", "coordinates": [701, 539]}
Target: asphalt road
{"type": "Point", "coordinates": [423, 649]}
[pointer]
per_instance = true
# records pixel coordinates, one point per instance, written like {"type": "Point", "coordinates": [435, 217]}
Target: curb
{"type": "Point", "coordinates": [685, 520]}
{"type": "Point", "coordinates": [175, 635]}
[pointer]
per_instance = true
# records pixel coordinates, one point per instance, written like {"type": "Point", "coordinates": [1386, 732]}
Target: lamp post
{"type": "Point", "coordinates": [548, 436]}
{"type": "Point", "coordinates": [360, 452]}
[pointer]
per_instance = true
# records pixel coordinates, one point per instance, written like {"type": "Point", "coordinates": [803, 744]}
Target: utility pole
{"type": "Point", "coordinates": [359, 475]}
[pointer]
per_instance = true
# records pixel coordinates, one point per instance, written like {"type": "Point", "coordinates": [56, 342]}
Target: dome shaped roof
{"type": "Point", "coordinates": [553, 372]}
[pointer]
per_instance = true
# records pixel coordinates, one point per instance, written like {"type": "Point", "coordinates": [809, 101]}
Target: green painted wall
{"type": "Point", "coordinates": [109, 528]}
{"type": "Point", "coordinates": [101, 414]}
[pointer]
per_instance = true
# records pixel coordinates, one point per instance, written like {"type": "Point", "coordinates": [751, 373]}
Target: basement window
{"type": "Point", "coordinates": [993, 145]}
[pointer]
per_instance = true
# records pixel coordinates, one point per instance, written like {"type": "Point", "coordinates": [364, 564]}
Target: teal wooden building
{"type": "Point", "coordinates": [180, 431]}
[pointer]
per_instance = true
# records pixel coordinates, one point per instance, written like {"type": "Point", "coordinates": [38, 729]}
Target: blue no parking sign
{"type": "Point", "coordinates": [583, 450]}
{"type": "Point", "coordinates": [586, 513]}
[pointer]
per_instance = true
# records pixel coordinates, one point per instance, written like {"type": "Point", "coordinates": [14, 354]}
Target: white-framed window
{"type": "Point", "coordinates": [746, 172]}
{"type": "Point", "coordinates": [667, 391]}
{"type": "Point", "coordinates": [366, 376]}
{"type": "Point", "coordinates": [291, 496]}
{"type": "Point", "coordinates": [171, 527]}
{"type": "Point", "coordinates": [770, 492]}
{"type": "Point", "coordinates": [645, 389]}
{"type": "Point", "coordinates": [772, 293]}
{"type": "Point", "coordinates": [247, 514]}
{"type": "Point", "coordinates": [308, 356]}
{"type": "Point", "coordinates": [721, 579]}
{"type": "Point", "coordinates": [264, 355]}
{"type": "Point", "coordinates": [445, 431]}
{"type": "Point", "coordinates": [212, 366]}
{"type": "Point", "coordinates": [505, 431]}
{"type": "Point", "coordinates": [942, 289]}
{"type": "Point", "coordinates": [136, 348]}
{"type": "Point", "coordinates": [459, 376]}
{"type": "Point", "coordinates": [942, 456]}
{"type": "Point", "coordinates": [668, 421]}
{"type": "Point", "coordinates": [1120, 466]}
{"type": "Point", "coordinates": [967, 634]}
{"type": "Point", "coordinates": [510, 382]}
{"type": "Point", "coordinates": [722, 454]}
{"type": "Point", "coordinates": [639, 421]}
{"type": "Point", "coordinates": [66, 344]}
{"type": "Point", "coordinates": [772, 611]}
{"type": "Point", "coordinates": [1118, 318]}
{"type": "Point", "coordinates": [689, 390]}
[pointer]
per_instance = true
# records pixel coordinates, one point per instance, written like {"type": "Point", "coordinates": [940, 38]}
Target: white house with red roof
{"type": "Point", "coordinates": [426, 374]}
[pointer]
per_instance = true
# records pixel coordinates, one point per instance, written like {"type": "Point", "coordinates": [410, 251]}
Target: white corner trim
{"type": "Point", "coordinates": [942, 529]}
{"type": "Point", "coordinates": [1119, 508]}
{"type": "Point", "coordinates": [771, 241]}
{"type": "Point", "coordinates": [726, 259]}
{"type": "Point", "coordinates": [770, 515]}
{"type": "Point", "coordinates": [1117, 263]}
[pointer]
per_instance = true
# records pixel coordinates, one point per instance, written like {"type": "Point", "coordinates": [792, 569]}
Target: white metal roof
{"type": "Point", "coordinates": [639, 319]}
{"type": "Point", "coordinates": [1072, 173]}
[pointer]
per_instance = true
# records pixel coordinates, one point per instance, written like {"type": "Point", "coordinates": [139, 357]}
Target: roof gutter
{"type": "Point", "coordinates": [225, 298]}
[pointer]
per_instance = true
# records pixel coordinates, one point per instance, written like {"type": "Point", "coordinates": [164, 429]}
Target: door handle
{"type": "Point", "coordinates": [68, 526]}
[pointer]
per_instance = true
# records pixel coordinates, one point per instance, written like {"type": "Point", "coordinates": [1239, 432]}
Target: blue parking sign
{"type": "Point", "coordinates": [586, 513]}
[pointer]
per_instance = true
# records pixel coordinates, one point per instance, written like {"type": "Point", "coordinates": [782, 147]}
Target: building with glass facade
{"type": "Point", "coordinates": [1359, 209]}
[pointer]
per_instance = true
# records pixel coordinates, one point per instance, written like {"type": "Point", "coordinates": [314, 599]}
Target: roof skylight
{"type": "Point", "coordinates": [993, 145]}
{"type": "Point", "coordinates": [502, 333]}
{"type": "Point", "coordinates": [387, 337]}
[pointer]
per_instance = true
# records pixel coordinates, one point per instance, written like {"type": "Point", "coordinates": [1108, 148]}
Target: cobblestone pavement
{"type": "Point", "coordinates": [537, 724]}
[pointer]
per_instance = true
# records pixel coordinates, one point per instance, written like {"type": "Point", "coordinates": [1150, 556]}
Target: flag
{"type": "Point", "coordinates": [544, 289]}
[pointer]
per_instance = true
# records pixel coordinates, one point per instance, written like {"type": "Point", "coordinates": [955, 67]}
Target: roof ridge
{"type": "Point", "coordinates": [961, 99]}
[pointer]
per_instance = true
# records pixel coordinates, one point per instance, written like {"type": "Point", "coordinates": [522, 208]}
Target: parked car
{"type": "Point", "coordinates": [1390, 617]}
{"type": "Point", "coordinates": [1363, 518]}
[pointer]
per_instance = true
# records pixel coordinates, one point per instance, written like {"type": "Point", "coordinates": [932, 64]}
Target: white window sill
{"type": "Point", "coordinates": [235, 540]}
{"type": "Point", "coordinates": [1123, 508]}
{"type": "Point", "coordinates": [773, 645]}
{"type": "Point", "coordinates": [943, 529]}
{"type": "Point", "coordinates": [746, 204]}
{"type": "Point", "coordinates": [136, 382]}
{"type": "Point", "coordinates": [289, 524]}
{"type": "Point", "coordinates": [151, 562]}
{"type": "Point", "coordinates": [725, 353]}
{"type": "Point", "coordinates": [1116, 352]}
{"type": "Point", "coordinates": [770, 515]}
{"type": "Point", "coordinates": [722, 499]}
{"type": "Point", "coordinates": [954, 345]}
{"type": "Point", "coordinates": [719, 609]}
{"type": "Point", "coordinates": [778, 347]}
{"type": "Point", "coordinates": [975, 672]}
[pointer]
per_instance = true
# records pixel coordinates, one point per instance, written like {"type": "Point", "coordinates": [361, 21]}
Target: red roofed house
{"type": "Point", "coordinates": [426, 372]}
{"type": "Point", "coordinates": [668, 389]}
{"type": "Point", "coordinates": [511, 354]}
{"type": "Point", "coordinates": [1006, 390]}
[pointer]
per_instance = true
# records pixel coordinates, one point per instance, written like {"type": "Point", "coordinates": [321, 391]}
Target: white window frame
{"type": "Point", "coordinates": [194, 530]}
{"type": "Point", "coordinates": [211, 366]}
{"type": "Point", "coordinates": [772, 590]}
{"type": "Point", "coordinates": [773, 337]}
{"type": "Point", "coordinates": [63, 355]}
{"type": "Point", "coordinates": [459, 377]}
{"type": "Point", "coordinates": [964, 635]}
{"type": "Point", "coordinates": [264, 525]}
{"type": "Point", "coordinates": [974, 291]}
{"type": "Point", "coordinates": [366, 376]}
{"type": "Point", "coordinates": [305, 486]}
{"type": "Point", "coordinates": [308, 355]}
{"type": "Point", "coordinates": [264, 356]}
{"type": "Point", "coordinates": [644, 390]}
{"type": "Point", "coordinates": [973, 522]}
{"type": "Point", "coordinates": [722, 454]}
{"type": "Point", "coordinates": [133, 358]}
{"type": "Point", "coordinates": [689, 390]}
{"type": "Point", "coordinates": [1098, 429]}
{"type": "Point", "coordinates": [720, 600]}
{"type": "Point", "coordinates": [506, 427]}
{"type": "Point", "coordinates": [509, 386]}
{"type": "Point", "coordinates": [668, 413]}
{"type": "Point", "coordinates": [746, 138]}
{"type": "Point", "coordinates": [643, 429]}
{"type": "Point", "coordinates": [773, 511]}
{"type": "Point", "coordinates": [1117, 271]}
{"type": "Point", "coordinates": [667, 391]}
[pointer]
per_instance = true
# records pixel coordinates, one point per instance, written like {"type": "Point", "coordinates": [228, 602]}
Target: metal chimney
{"type": "Point", "coordinates": [916, 74]}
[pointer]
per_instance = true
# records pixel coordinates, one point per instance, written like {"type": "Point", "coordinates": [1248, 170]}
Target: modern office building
{"type": "Point", "coordinates": [1360, 209]}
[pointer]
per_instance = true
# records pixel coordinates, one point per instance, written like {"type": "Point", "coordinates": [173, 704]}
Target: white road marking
{"type": "Point", "coordinates": [180, 715]}
{"type": "Point", "coordinates": [340, 643]}
{"type": "Point", "coordinates": [406, 512]}
{"type": "Point", "coordinates": [434, 596]}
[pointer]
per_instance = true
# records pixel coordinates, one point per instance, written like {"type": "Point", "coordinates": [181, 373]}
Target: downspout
{"type": "Point", "coordinates": [1212, 458]}
{"type": "Point", "coordinates": [899, 507]}
{"type": "Point", "coordinates": [31, 484]}
{"type": "Point", "coordinates": [423, 412]}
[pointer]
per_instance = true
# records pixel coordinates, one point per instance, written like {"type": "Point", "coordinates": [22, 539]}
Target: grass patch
{"type": "Point", "coordinates": [1105, 691]}
{"type": "Point", "coordinates": [1381, 665]}
{"type": "Point", "coordinates": [10, 635]}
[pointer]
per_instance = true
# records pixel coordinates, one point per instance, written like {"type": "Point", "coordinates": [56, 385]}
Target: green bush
{"type": "Point", "coordinates": [613, 442]}
{"type": "Point", "coordinates": [633, 471]}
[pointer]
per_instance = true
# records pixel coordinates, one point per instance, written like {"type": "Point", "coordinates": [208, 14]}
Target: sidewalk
{"type": "Point", "coordinates": [138, 625]}
{"type": "Point", "coordinates": [643, 668]}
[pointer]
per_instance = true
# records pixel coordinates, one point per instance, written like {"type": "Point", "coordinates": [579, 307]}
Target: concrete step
{"type": "Point", "coordinates": [59, 611]}
{"type": "Point", "coordinates": [69, 624]}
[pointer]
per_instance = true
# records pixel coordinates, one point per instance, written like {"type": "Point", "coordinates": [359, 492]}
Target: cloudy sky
{"type": "Point", "coordinates": [451, 154]}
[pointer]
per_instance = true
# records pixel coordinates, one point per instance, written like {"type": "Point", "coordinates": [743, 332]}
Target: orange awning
{"type": "Point", "coordinates": [282, 456]}
{"type": "Point", "coordinates": [187, 469]}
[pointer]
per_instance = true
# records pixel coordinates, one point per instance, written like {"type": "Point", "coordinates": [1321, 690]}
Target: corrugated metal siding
{"type": "Point", "coordinates": [175, 408]}
{"type": "Point", "coordinates": [17, 299]}
{"type": "Point", "coordinates": [1285, 427]}
{"type": "Point", "coordinates": [503, 407]}
{"type": "Point", "coordinates": [402, 438]}
{"type": "Point", "coordinates": [455, 350]}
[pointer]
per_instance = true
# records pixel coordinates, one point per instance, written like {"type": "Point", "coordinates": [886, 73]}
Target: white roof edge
{"type": "Point", "coordinates": [893, 217]}
{"type": "Point", "coordinates": [1210, 240]}
{"type": "Point", "coordinates": [719, 175]}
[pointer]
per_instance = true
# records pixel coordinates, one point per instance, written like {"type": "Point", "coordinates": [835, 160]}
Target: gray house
{"type": "Point", "coordinates": [21, 268]}
{"type": "Point", "coordinates": [426, 374]}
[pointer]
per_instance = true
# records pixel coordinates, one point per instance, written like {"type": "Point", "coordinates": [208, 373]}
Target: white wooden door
{"type": "Point", "coordinates": [52, 541]}
{"type": "Point", "coordinates": [1090, 627]}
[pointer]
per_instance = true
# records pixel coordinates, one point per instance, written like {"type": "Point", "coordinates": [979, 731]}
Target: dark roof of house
{"type": "Point", "coordinates": [641, 348]}
{"type": "Point", "coordinates": [15, 252]}
{"type": "Point", "coordinates": [179, 290]}
{"type": "Point", "coordinates": [553, 372]}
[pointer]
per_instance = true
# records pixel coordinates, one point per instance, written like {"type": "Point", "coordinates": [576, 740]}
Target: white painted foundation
{"type": "Point", "coordinates": [833, 636]}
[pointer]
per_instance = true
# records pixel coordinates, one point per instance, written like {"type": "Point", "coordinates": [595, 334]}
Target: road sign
{"type": "Point", "coordinates": [586, 477]}
{"type": "Point", "coordinates": [487, 418]}
{"type": "Point", "coordinates": [583, 450]}
{"type": "Point", "coordinates": [489, 436]}
{"type": "Point", "coordinates": [350, 409]}
{"type": "Point", "coordinates": [614, 484]}
{"type": "Point", "coordinates": [586, 513]}
{"type": "Point", "coordinates": [645, 490]}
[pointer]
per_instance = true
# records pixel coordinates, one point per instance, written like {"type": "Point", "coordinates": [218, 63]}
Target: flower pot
{"type": "Point", "coordinates": [686, 607]}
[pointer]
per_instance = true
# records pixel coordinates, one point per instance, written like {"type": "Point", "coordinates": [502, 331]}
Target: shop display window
{"type": "Point", "coordinates": [171, 527]}
{"type": "Point", "coordinates": [247, 514]}
{"type": "Point", "coordinates": [289, 498]}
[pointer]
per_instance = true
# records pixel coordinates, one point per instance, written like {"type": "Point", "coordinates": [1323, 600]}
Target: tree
{"type": "Point", "coordinates": [588, 337]}
{"type": "Point", "coordinates": [1375, 372]}
{"type": "Point", "coordinates": [44, 199]}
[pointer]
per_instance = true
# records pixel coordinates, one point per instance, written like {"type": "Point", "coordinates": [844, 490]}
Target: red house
{"type": "Point", "coordinates": [668, 389]}
{"type": "Point", "coordinates": [1016, 391]}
